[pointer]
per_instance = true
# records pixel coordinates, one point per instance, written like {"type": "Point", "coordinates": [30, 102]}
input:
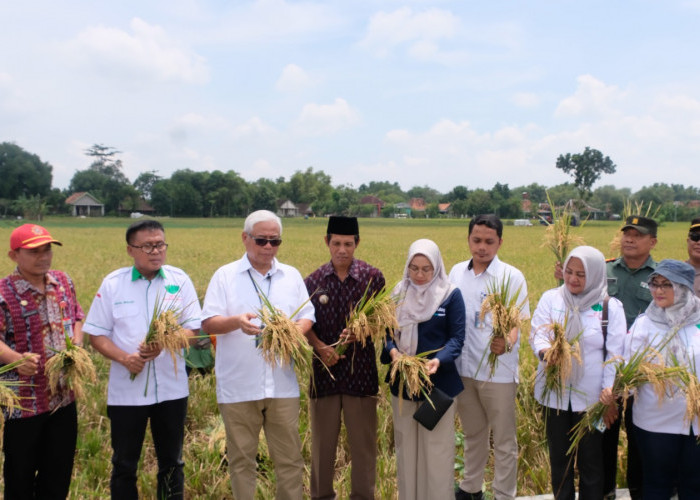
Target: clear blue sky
{"type": "Point", "coordinates": [417, 92]}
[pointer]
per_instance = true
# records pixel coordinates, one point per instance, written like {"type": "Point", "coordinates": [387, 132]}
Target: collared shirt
{"type": "Point", "coordinates": [356, 374]}
{"type": "Point", "coordinates": [596, 377]}
{"type": "Point", "coordinates": [668, 415]}
{"type": "Point", "coordinates": [696, 285]}
{"type": "Point", "coordinates": [241, 372]}
{"type": "Point", "coordinates": [33, 321]}
{"type": "Point", "coordinates": [477, 340]}
{"type": "Point", "coordinates": [122, 310]}
{"type": "Point", "coordinates": [630, 286]}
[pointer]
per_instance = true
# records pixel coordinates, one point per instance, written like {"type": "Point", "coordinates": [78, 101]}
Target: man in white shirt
{"type": "Point", "coordinates": [252, 393]}
{"type": "Point", "coordinates": [488, 401]}
{"type": "Point", "coordinates": [143, 383]}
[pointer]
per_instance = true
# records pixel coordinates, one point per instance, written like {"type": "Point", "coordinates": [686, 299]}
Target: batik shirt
{"type": "Point", "coordinates": [34, 321]}
{"type": "Point", "coordinates": [334, 300]}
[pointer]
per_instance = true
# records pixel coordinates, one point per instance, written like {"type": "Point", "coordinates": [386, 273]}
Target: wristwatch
{"type": "Point", "coordinates": [509, 346]}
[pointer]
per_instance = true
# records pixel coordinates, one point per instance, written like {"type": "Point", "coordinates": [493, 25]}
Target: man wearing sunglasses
{"type": "Point", "coordinates": [348, 384]}
{"type": "Point", "coordinates": [253, 393]}
{"type": "Point", "coordinates": [694, 251]}
{"type": "Point", "coordinates": [144, 384]}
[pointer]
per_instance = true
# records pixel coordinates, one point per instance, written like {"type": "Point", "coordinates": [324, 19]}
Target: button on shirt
{"type": "Point", "coordinates": [241, 372]}
{"type": "Point", "coordinates": [585, 392]}
{"type": "Point", "coordinates": [669, 416]}
{"type": "Point", "coordinates": [122, 310]}
{"type": "Point", "coordinates": [630, 286]}
{"type": "Point", "coordinates": [473, 361]}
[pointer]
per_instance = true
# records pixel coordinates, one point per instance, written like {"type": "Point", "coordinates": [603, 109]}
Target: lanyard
{"type": "Point", "coordinates": [258, 291]}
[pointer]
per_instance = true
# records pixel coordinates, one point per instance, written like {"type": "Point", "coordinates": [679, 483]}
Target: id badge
{"type": "Point", "coordinates": [477, 320]}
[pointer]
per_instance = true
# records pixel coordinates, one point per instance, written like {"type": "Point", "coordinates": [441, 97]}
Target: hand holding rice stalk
{"type": "Point", "coordinates": [559, 359]}
{"type": "Point", "coordinates": [8, 397]}
{"type": "Point", "coordinates": [413, 375]}
{"type": "Point", "coordinates": [165, 330]}
{"type": "Point", "coordinates": [73, 366]}
{"type": "Point", "coordinates": [502, 303]}
{"type": "Point", "coordinates": [281, 340]}
{"type": "Point", "coordinates": [558, 236]}
{"type": "Point", "coordinates": [646, 366]}
{"type": "Point", "coordinates": [371, 318]}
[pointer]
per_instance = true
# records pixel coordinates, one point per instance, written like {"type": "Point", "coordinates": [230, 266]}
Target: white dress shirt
{"type": "Point", "coordinates": [668, 415]}
{"type": "Point", "coordinates": [122, 311]}
{"type": "Point", "coordinates": [241, 372]}
{"type": "Point", "coordinates": [596, 376]}
{"type": "Point", "coordinates": [473, 362]}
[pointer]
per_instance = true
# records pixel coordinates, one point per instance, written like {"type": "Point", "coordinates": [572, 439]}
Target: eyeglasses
{"type": "Point", "coordinates": [694, 236]}
{"type": "Point", "coordinates": [663, 286]}
{"type": "Point", "coordinates": [261, 242]}
{"type": "Point", "coordinates": [149, 248]}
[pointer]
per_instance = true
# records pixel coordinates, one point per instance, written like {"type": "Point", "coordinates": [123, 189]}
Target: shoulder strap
{"type": "Point", "coordinates": [604, 325]}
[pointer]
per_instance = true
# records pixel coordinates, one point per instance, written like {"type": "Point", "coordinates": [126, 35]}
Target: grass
{"type": "Point", "coordinates": [94, 247]}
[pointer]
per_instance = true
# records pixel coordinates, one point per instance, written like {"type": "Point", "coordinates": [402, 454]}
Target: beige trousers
{"type": "Point", "coordinates": [424, 459]}
{"type": "Point", "coordinates": [360, 417]}
{"type": "Point", "coordinates": [279, 417]}
{"type": "Point", "coordinates": [485, 407]}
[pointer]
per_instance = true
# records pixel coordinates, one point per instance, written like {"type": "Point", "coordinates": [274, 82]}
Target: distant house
{"type": "Point", "coordinates": [305, 209]}
{"type": "Point", "coordinates": [417, 205]}
{"type": "Point", "coordinates": [287, 208]}
{"type": "Point", "coordinates": [444, 208]}
{"type": "Point", "coordinates": [376, 202]}
{"type": "Point", "coordinates": [402, 208]}
{"type": "Point", "coordinates": [85, 205]}
{"type": "Point", "coordinates": [126, 207]}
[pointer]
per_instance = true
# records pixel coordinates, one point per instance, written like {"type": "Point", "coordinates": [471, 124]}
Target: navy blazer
{"type": "Point", "coordinates": [444, 331]}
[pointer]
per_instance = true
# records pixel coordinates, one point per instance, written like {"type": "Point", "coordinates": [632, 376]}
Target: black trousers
{"type": "Point", "coordinates": [128, 424]}
{"type": "Point", "coordinates": [634, 458]}
{"type": "Point", "coordinates": [589, 457]}
{"type": "Point", "coordinates": [39, 453]}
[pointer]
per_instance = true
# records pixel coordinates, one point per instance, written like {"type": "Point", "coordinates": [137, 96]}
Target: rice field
{"type": "Point", "coordinates": [94, 247]}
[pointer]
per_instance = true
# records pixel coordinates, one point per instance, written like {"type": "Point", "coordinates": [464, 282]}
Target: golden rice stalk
{"type": "Point", "coordinates": [646, 366]}
{"type": "Point", "coordinates": [72, 368]}
{"type": "Point", "coordinates": [412, 375]}
{"type": "Point", "coordinates": [281, 341]}
{"type": "Point", "coordinates": [558, 236]}
{"type": "Point", "coordinates": [371, 318]}
{"type": "Point", "coordinates": [9, 398]}
{"type": "Point", "coordinates": [638, 208]}
{"type": "Point", "coordinates": [502, 303]}
{"type": "Point", "coordinates": [559, 360]}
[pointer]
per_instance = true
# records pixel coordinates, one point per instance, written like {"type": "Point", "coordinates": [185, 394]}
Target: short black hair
{"type": "Point", "coordinates": [328, 236]}
{"type": "Point", "coordinates": [489, 220]}
{"type": "Point", "coordinates": [143, 225]}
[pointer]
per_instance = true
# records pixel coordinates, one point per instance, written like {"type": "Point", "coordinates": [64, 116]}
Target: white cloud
{"type": "Point", "coordinates": [253, 127]}
{"type": "Point", "coordinates": [148, 52]}
{"type": "Point", "coordinates": [293, 79]}
{"type": "Point", "coordinates": [419, 32]}
{"type": "Point", "coordinates": [526, 100]}
{"type": "Point", "coordinates": [325, 119]}
{"type": "Point", "coordinates": [592, 96]}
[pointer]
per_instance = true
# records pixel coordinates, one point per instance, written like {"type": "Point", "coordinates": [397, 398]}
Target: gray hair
{"type": "Point", "coordinates": [261, 216]}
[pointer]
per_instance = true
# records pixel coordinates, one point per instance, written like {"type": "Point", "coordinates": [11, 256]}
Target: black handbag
{"type": "Point", "coordinates": [428, 415]}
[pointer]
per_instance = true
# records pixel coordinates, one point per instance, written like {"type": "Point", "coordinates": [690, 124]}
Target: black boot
{"type": "Point", "coordinates": [463, 495]}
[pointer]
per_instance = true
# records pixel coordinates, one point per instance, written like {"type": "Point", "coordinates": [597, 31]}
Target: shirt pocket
{"type": "Point", "coordinates": [643, 293]}
{"type": "Point", "coordinates": [613, 287]}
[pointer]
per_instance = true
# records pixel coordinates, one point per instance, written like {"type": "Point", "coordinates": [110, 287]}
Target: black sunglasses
{"type": "Point", "coordinates": [694, 236]}
{"type": "Point", "coordinates": [261, 242]}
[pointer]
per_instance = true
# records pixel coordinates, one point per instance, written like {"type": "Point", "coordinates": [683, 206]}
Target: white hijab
{"type": "Point", "coordinates": [594, 292]}
{"type": "Point", "coordinates": [418, 303]}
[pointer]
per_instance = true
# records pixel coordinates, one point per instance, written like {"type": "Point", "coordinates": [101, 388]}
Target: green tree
{"type": "Point", "coordinates": [586, 168]}
{"type": "Point", "coordinates": [144, 183]}
{"type": "Point", "coordinates": [480, 202]}
{"type": "Point", "coordinates": [31, 207]}
{"type": "Point", "coordinates": [22, 173]}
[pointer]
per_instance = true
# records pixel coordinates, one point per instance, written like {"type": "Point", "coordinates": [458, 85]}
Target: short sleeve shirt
{"type": "Point", "coordinates": [334, 300]}
{"type": "Point", "coordinates": [241, 372]}
{"type": "Point", "coordinates": [630, 286]}
{"type": "Point", "coordinates": [122, 311]}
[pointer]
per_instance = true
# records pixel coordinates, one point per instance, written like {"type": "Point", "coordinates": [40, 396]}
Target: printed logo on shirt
{"type": "Point", "coordinates": [172, 288]}
{"type": "Point", "coordinates": [440, 312]}
{"type": "Point", "coordinates": [644, 284]}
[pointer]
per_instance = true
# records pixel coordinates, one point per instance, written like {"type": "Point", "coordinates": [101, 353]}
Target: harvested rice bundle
{"type": "Point", "coordinates": [412, 373]}
{"type": "Point", "coordinates": [8, 396]}
{"type": "Point", "coordinates": [371, 318]}
{"type": "Point", "coordinates": [280, 340]}
{"type": "Point", "coordinates": [502, 303]}
{"type": "Point", "coordinates": [71, 366]}
{"type": "Point", "coordinates": [559, 359]}
{"type": "Point", "coordinates": [646, 366]}
{"type": "Point", "coordinates": [558, 236]}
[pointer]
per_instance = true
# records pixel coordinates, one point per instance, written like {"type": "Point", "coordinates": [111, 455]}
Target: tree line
{"type": "Point", "coordinates": [26, 190]}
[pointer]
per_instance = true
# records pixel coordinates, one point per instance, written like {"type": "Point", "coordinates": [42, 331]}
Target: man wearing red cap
{"type": "Point", "coordinates": [38, 307]}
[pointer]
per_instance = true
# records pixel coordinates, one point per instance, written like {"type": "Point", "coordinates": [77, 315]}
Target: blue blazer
{"type": "Point", "coordinates": [444, 331]}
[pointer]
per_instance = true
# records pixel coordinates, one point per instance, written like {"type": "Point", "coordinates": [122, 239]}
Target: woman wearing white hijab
{"type": "Point", "coordinates": [430, 316]}
{"type": "Point", "coordinates": [667, 440]}
{"type": "Point", "coordinates": [578, 304]}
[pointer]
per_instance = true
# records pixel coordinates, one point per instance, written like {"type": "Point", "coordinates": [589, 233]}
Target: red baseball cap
{"type": "Point", "coordinates": [30, 236]}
